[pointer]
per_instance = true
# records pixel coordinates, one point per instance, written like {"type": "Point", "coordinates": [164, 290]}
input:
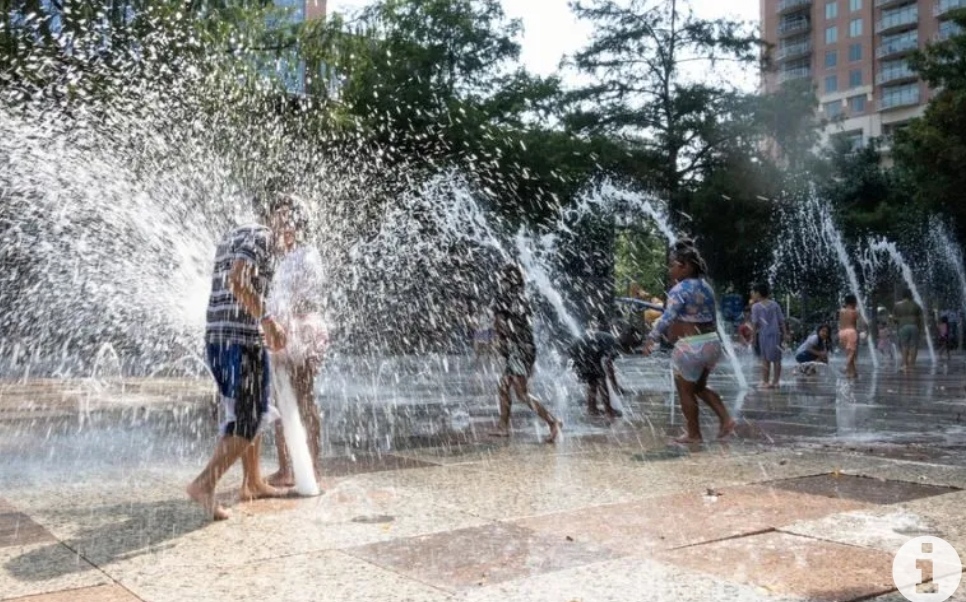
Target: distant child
{"type": "Point", "coordinates": [945, 344]}
{"type": "Point", "coordinates": [769, 327]}
{"type": "Point", "coordinates": [849, 333]}
{"type": "Point", "coordinates": [746, 332]}
{"type": "Point", "coordinates": [814, 350]}
{"type": "Point", "coordinates": [887, 338]}
{"type": "Point", "coordinates": [593, 360]}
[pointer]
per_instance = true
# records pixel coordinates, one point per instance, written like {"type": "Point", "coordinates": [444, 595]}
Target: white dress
{"type": "Point", "coordinates": [295, 301]}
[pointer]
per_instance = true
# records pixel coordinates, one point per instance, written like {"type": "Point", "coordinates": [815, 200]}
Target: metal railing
{"type": "Point", "coordinates": [943, 35]}
{"type": "Point", "coordinates": [796, 73]}
{"type": "Point", "coordinates": [944, 6]}
{"type": "Point", "coordinates": [891, 75]}
{"type": "Point", "coordinates": [902, 18]}
{"type": "Point", "coordinates": [793, 50]}
{"type": "Point", "coordinates": [788, 5]}
{"type": "Point", "coordinates": [891, 48]}
{"type": "Point", "coordinates": [796, 26]}
{"type": "Point", "coordinates": [907, 97]}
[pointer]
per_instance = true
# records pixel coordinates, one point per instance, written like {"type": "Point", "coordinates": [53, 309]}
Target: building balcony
{"type": "Point", "coordinates": [891, 76]}
{"type": "Point", "coordinates": [945, 6]}
{"type": "Point", "coordinates": [787, 75]}
{"type": "Point", "coordinates": [888, 3]}
{"type": "Point", "coordinates": [896, 48]}
{"type": "Point", "coordinates": [791, 51]}
{"type": "Point", "coordinates": [903, 19]}
{"type": "Point", "coordinates": [945, 33]}
{"type": "Point", "coordinates": [787, 28]}
{"type": "Point", "coordinates": [906, 98]}
{"type": "Point", "coordinates": [787, 6]}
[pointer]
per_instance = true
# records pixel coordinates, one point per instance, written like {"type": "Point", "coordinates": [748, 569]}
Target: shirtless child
{"type": "Point", "coordinates": [849, 333]}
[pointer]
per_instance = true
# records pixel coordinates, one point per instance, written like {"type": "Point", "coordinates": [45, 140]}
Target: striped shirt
{"type": "Point", "coordinates": [228, 322]}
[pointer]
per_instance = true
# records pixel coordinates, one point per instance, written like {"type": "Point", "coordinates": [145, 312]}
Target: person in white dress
{"type": "Point", "coordinates": [296, 302]}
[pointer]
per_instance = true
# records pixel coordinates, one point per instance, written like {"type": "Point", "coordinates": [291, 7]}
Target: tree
{"type": "Point", "coordinates": [932, 149]}
{"type": "Point", "coordinates": [867, 197]}
{"type": "Point", "coordinates": [786, 120]}
{"type": "Point", "coordinates": [640, 94]}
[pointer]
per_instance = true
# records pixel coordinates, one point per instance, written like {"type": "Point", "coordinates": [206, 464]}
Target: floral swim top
{"type": "Point", "coordinates": [691, 300]}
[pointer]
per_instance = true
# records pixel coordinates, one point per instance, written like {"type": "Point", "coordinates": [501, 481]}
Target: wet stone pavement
{"type": "Point", "coordinates": [824, 481]}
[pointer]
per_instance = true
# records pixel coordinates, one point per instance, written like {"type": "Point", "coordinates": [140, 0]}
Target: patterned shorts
{"type": "Point", "coordinates": [693, 355]}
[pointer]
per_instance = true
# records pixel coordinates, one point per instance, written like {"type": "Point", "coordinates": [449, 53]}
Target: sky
{"type": "Point", "coordinates": [551, 30]}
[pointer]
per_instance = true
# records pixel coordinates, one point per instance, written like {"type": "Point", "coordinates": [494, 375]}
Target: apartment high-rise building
{"type": "Point", "coordinates": [290, 65]}
{"type": "Point", "coordinates": [855, 54]}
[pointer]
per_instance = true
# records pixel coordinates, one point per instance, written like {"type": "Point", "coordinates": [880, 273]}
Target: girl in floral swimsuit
{"type": "Point", "coordinates": [690, 322]}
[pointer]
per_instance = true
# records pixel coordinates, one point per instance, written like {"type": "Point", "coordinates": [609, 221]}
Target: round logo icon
{"type": "Point", "coordinates": [927, 569]}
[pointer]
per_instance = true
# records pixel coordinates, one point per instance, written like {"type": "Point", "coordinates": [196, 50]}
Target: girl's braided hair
{"type": "Point", "coordinates": [684, 251]}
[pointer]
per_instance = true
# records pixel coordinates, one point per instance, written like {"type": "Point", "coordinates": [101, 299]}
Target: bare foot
{"type": "Point", "coordinates": [554, 431]}
{"type": "Point", "coordinates": [688, 439]}
{"type": "Point", "coordinates": [281, 479]}
{"type": "Point", "coordinates": [261, 491]}
{"type": "Point", "coordinates": [727, 429]}
{"type": "Point", "coordinates": [614, 413]}
{"type": "Point", "coordinates": [763, 385]}
{"type": "Point", "coordinates": [207, 501]}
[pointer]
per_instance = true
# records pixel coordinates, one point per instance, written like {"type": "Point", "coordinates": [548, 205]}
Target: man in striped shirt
{"type": "Point", "coordinates": [238, 336]}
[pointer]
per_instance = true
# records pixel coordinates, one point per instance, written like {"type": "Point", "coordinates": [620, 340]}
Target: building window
{"type": "Point", "coordinates": [855, 78]}
{"type": "Point", "coordinates": [832, 109]}
{"type": "Point", "coordinates": [948, 29]}
{"type": "Point", "coordinates": [855, 28]}
{"type": "Point", "coordinates": [855, 52]}
{"type": "Point", "coordinates": [831, 83]}
{"type": "Point", "coordinates": [855, 5]}
{"type": "Point", "coordinates": [897, 96]}
{"type": "Point", "coordinates": [831, 10]}
{"type": "Point", "coordinates": [857, 104]}
{"type": "Point", "coordinates": [831, 58]}
{"type": "Point", "coordinates": [831, 34]}
{"type": "Point", "coordinates": [854, 140]}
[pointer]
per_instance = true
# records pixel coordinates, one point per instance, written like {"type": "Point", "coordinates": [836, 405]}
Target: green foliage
{"type": "Point", "coordinates": [869, 198]}
{"type": "Point", "coordinates": [640, 257]}
{"type": "Point", "coordinates": [639, 94]}
{"type": "Point", "coordinates": [931, 149]}
{"type": "Point", "coordinates": [733, 217]}
{"type": "Point", "coordinates": [786, 119]}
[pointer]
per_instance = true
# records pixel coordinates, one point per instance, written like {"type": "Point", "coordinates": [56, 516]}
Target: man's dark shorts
{"type": "Point", "coordinates": [243, 377]}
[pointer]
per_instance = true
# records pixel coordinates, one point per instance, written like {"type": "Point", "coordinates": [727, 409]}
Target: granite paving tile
{"type": "Point", "coordinates": [338, 466]}
{"type": "Point", "coordinates": [469, 558]}
{"type": "Point", "coordinates": [881, 528]}
{"type": "Point", "coordinates": [44, 567]}
{"type": "Point", "coordinates": [17, 529]}
{"type": "Point", "coordinates": [790, 565]}
{"type": "Point", "coordinates": [100, 593]}
{"type": "Point", "coordinates": [529, 486]}
{"type": "Point", "coordinates": [867, 489]}
{"type": "Point", "coordinates": [348, 515]}
{"type": "Point", "coordinates": [328, 576]}
{"type": "Point", "coordinates": [660, 523]}
{"type": "Point", "coordinates": [631, 579]}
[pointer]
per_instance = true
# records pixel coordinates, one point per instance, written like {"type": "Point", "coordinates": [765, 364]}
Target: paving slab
{"type": "Point", "coordinates": [786, 564]}
{"type": "Point", "coordinates": [865, 489]}
{"type": "Point", "coordinates": [661, 523]}
{"type": "Point", "coordinates": [469, 558]}
{"type": "Point", "coordinates": [317, 577]}
{"type": "Point", "coordinates": [43, 568]}
{"type": "Point", "coordinates": [100, 593]}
